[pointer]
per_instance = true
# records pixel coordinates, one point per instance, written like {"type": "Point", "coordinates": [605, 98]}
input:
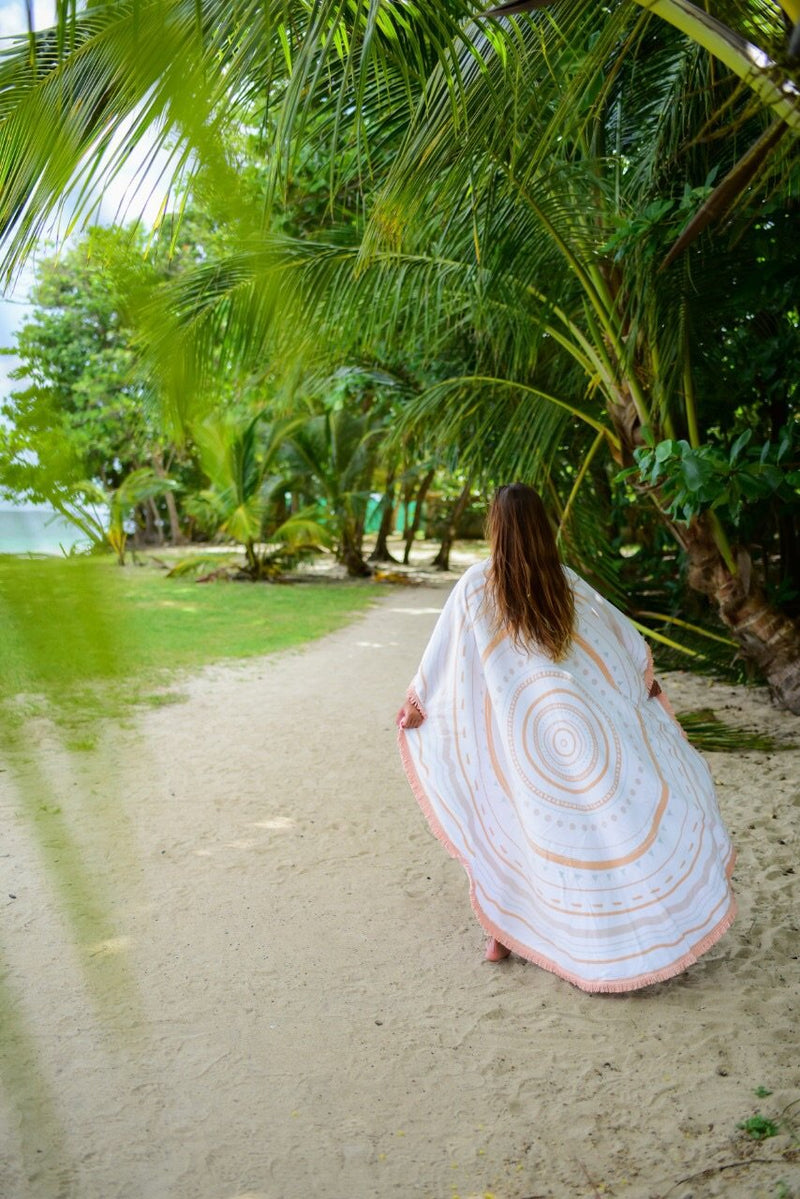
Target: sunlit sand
{"type": "Point", "coordinates": [289, 997]}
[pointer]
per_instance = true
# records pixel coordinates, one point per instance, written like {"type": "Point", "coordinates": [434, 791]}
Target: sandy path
{"type": "Point", "coordinates": [283, 997]}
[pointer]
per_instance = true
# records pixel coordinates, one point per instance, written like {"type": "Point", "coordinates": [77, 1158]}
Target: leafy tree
{"type": "Point", "coordinates": [551, 167]}
{"type": "Point", "coordinates": [88, 411]}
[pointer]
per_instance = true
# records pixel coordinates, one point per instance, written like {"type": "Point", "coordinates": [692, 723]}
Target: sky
{"type": "Point", "coordinates": [128, 194]}
{"type": "Point", "coordinates": [12, 306]}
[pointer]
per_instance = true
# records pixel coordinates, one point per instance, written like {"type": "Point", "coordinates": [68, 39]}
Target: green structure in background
{"type": "Point", "coordinates": [403, 515]}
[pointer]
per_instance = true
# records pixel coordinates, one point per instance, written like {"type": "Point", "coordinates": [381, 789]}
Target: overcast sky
{"type": "Point", "coordinates": [13, 20]}
{"type": "Point", "coordinates": [129, 195]}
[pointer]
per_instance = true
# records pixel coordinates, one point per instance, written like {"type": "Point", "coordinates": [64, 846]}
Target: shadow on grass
{"type": "Point", "coordinates": [82, 643]}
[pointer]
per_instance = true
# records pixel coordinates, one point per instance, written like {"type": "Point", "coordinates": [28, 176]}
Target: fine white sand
{"type": "Point", "coordinates": [237, 964]}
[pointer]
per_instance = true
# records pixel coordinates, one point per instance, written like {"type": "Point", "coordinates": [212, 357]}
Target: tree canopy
{"type": "Point", "coordinates": [561, 235]}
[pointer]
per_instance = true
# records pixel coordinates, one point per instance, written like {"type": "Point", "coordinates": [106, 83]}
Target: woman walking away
{"type": "Point", "coordinates": [548, 761]}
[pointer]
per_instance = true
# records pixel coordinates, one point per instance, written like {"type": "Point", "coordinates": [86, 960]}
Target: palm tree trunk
{"type": "Point", "coordinates": [412, 529]}
{"type": "Point", "coordinates": [442, 559]}
{"type": "Point", "coordinates": [349, 552]}
{"type": "Point", "coordinates": [381, 552]}
{"type": "Point", "coordinates": [175, 534]}
{"type": "Point", "coordinates": [351, 557]}
{"type": "Point", "coordinates": [154, 523]}
{"type": "Point", "coordinates": [253, 568]}
{"type": "Point", "coordinates": [768, 637]}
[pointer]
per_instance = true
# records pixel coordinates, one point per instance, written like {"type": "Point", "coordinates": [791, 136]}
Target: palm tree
{"type": "Point", "coordinates": [526, 201]}
{"type": "Point", "coordinates": [333, 455]}
{"type": "Point", "coordinates": [570, 215]}
{"type": "Point", "coordinates": [178, 75]}
{"type": "Point", "coordinates": [241, 458]}
{"type": "Point", "coordinates": [102, 513]}
{"type": "Point", "coordinates": [177, 72]}
{"type": "Point", "coordinates": [767, 37]}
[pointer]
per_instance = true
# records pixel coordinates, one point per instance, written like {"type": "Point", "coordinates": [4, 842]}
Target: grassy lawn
{"type": "Point", "coordinates": [82, 637]}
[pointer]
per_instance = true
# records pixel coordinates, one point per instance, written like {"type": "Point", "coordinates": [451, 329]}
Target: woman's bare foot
{"type": "Point", "coordinates": [496, 951]}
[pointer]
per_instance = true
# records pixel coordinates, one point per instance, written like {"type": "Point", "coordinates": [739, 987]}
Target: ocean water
{"type": "Point", "coordinates": [37, 531]}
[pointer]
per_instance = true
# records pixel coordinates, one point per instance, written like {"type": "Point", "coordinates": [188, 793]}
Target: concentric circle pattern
{"type": "Point", "coordinates": [563, 751]}
{"type": "Point", "coordinates": [587, 824]}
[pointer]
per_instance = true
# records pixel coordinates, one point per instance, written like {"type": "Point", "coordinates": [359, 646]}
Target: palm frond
{"type": "Point", "coordinates": [750, 60]}
{"type": "Point", "coordinates": [77, 98]}
{"type": "Point", "coordinates": [709, 734]}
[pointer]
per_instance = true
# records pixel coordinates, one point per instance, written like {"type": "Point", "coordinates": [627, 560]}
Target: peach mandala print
{"type": "Point", "coordinates": [586, 823]}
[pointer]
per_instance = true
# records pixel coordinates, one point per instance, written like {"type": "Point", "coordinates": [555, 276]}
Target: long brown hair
{"type": "Point", "coordinates": [532, 595]}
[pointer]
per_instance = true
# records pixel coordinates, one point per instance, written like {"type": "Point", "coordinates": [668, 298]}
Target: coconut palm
{"type": "Point", "coordinates": [570, 218]}
{"type": "Point", "coordinates": [241, 458]}
{"type": "Point", "coordinates": [178, 72]}
{"type": "Point", "coordinates": [332, 455]}
{"type": "Point", "coordinates": [79, 97]}
{"type": "Point", "coordinates": [103, 513]}
{"type": "Point", "coordinates": [775, 33]}
{"type": "Point", "coordinates": [524, 206]}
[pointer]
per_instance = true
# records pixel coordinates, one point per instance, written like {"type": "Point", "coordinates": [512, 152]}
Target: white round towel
{"type": "Point", "coordinates": [587, 824]}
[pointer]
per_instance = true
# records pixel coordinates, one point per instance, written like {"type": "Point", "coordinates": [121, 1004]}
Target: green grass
{"type": "Point", "coordinates": [82, 637]}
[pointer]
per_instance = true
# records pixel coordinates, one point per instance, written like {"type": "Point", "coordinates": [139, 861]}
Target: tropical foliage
{"type": "Point", "coordinates": [245, 496]}
{"type": "Point", "coordinates": [88, 410]}
{"type": "Point", "coordinates": [568, 232]}
{"type": "Point", "coordinates": [103, 514]}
